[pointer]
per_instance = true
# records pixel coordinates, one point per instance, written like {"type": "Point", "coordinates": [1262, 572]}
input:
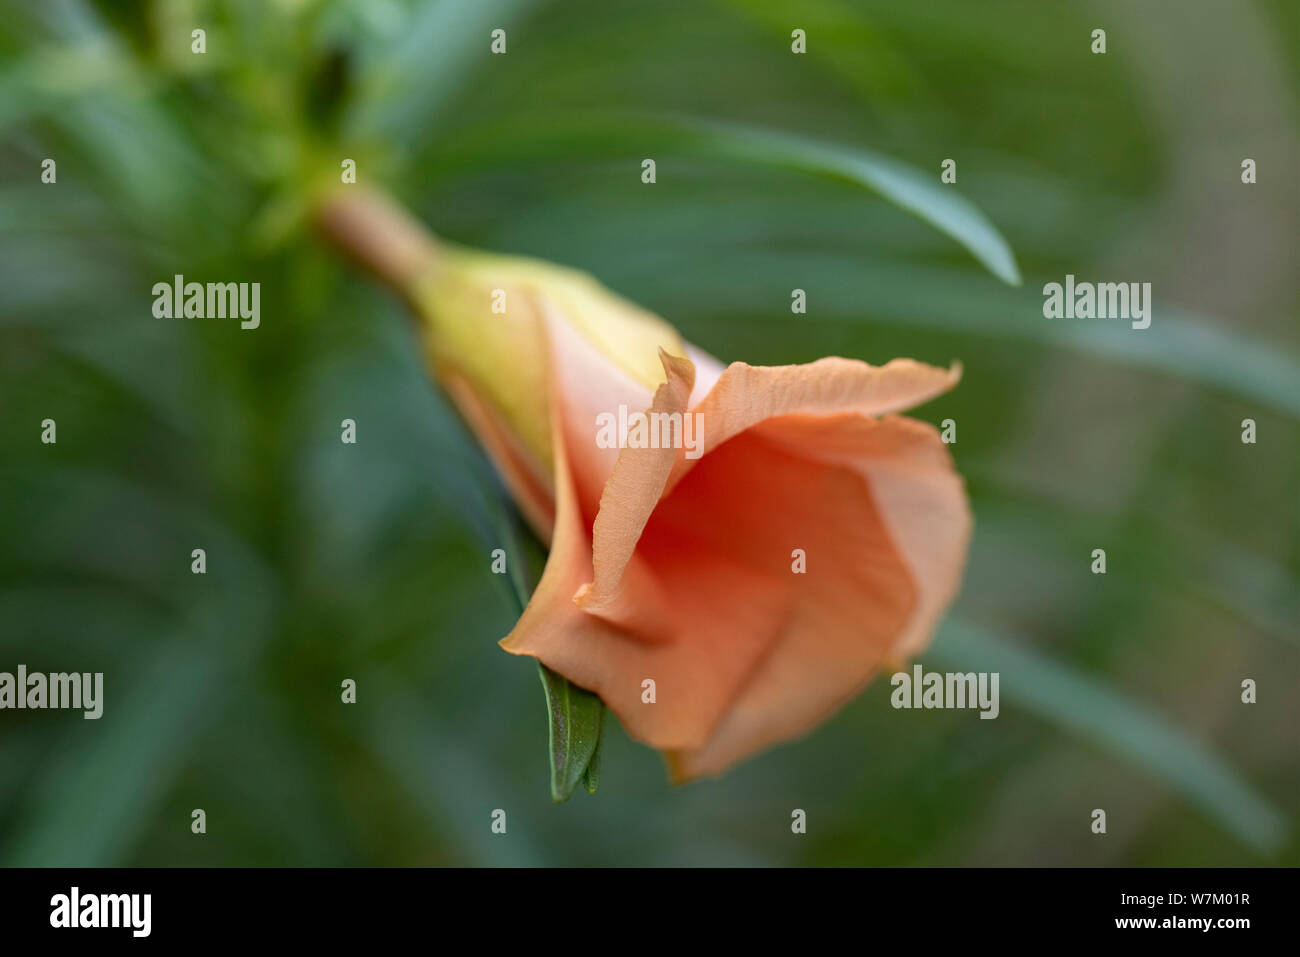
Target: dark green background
{"type": "Point", "coordinates": [372, 561]}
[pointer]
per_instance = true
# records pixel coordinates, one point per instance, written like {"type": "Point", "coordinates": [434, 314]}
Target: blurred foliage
{"type": "Point", "coordinates": [372, 562]}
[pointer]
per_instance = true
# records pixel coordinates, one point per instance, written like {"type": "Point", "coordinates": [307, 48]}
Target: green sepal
{"type": "Point", "coordinates": [577, 725]}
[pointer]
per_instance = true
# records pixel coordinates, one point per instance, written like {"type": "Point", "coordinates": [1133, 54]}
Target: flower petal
{"type": "Point", "coordinates": [633, 491]}
{"type": "Point", "coordinates": [832, 646]}
{"type": "Point", "coordinates": [697, 678]}
{"type": "Point", "coordinates": [586, 384]}
{"type": "Point", "coordinates": [745, 395]}
{"type": "Point", "coordinates": [524, 477]}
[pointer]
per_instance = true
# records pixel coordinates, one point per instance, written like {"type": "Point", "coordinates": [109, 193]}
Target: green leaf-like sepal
{"type": "Point", "coordinates": [577, 724]}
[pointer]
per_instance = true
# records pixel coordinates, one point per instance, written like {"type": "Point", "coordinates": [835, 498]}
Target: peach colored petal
{"type": "Point", "coordinates": [746, 395]}
{"type": "Point", "coordinates": [920, 494]}
{"type": "Point", "coordinates": [633, 491]}
{"type": "Point", "coordinates": [695, 680]}
{"type": "Point", "coordinates": [524, 478]}
{"type": "Point", "coordinates": [587, 384]}
{"type": "Point", "coordinates": [825, 655]}
{"type": "Point", "coordinates": [721, 546]}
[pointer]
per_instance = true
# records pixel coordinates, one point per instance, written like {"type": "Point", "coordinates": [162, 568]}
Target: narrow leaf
{"type": "Point", "coordinates": [576, 716]}
{"type": "Point", "coordinates": [591, 777]}
{"type": "Point", "coordinates": [590, 135]}
{"type": "Point", "coordinates": [1122, 727]}
{"type": "Point", "coordinates": [577, 720]}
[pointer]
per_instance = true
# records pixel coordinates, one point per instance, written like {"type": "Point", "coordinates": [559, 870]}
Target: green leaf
{"type": "Point", "coordinates": [906, 187]}
{"type": "Point", "coordinates": [576, 716]}
{"type": "Point", "coordinates": [577, 719]}
{"type": "Point", "coordinates": [95, 797]}
{"type": "Point", "coordinates": [1126, 729]}
{"type": "Point", "coordinates": [589, 135]}
{"type": "Point", "coordinates": [591, 777]}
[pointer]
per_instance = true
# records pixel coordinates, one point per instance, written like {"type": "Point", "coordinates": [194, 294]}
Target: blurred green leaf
{"type": "Point", "coordinates": [586, 136]}
{"type": "Point", "coordinates": [429, 60]}
{"type": "Point", "coordinates": [447, 777]}
{"type": "Point", "coordinates": [1098, 713]}
{"type": "Point", "coordinates": [909, 188]}
{"type": "Point", "coordinates": [109, 777]}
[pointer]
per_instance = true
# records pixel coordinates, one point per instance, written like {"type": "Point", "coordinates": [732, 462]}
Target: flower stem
{"type": "Point", "coordinates": [378, 235]}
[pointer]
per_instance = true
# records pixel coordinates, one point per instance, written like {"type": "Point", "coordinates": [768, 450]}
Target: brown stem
{"type": "Point", "coordinates": [379, 235]}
